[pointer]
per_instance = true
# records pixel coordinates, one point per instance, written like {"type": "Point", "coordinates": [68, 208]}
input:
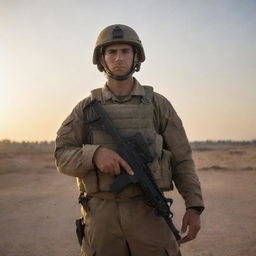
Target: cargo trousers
{"type": "Point", "coordinates": [124, 228]}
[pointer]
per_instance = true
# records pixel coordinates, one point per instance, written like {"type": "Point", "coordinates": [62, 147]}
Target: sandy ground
{"type": "Point", "coordinates": [38, 206]}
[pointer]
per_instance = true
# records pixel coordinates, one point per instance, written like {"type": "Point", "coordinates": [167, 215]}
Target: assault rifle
{"type": "Point", "coordinates": [136, 153]}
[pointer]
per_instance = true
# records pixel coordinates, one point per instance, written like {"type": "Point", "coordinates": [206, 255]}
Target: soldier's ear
{"type": "Point", "coordinates": [136, 62]}
{"type": "Point", "coordinates": [102, 60]}
{"type": "Point", "coordinates": [136, 56]}
{"type": "Point", "coordinates": [101, 64]}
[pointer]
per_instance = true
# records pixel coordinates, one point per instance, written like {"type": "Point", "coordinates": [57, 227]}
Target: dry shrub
{"type": "Point", "coordinates": [214, 167]}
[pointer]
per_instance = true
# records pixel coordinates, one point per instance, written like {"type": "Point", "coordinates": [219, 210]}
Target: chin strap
{"type": "Point", "coordinates": [119, 78]}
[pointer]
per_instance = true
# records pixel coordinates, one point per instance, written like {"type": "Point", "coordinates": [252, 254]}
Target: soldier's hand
{"type": "Point", "coordinates": [108, 161]}
{"type": "Point", "coordinates": [191, 225]}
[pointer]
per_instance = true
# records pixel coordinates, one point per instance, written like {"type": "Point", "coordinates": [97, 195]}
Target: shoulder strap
{"type": "Point", "coordinates": [149, 91]}
{"type": "Point", "coordinates": [96, 94]}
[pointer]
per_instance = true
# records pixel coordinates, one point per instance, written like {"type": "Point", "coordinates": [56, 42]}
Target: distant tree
{"type": "Point", "coordinates": [6, 141]}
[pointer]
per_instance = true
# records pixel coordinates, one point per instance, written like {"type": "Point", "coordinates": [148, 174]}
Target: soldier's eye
{"type": "Point", "coordinates": [111, 52]}
{"type": "Point", "coordinates": [126, 51]}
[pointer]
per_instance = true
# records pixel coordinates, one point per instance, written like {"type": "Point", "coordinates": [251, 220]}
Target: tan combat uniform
{"type": "Point", "coordinates": [123, 224]}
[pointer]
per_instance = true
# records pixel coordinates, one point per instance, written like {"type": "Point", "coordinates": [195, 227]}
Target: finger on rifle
{"type": "Point", "coordinates": [116, 168]}
{"type": "Point", "coordinates": [126, 166]}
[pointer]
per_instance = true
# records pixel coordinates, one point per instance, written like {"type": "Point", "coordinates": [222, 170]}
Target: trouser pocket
{"type": "Point", "coordinates": [86, 250]}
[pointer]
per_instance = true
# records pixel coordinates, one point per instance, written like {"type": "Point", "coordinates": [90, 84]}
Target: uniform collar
{"type": "Point", "coordinates": [138, 90]}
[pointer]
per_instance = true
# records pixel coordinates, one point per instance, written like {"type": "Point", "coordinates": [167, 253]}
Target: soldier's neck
{"type": "Point", "coordinates": [121, 88]}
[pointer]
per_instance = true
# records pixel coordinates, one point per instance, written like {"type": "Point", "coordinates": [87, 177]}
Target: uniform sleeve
{"type": "Point", "coordinates": [175, 140]}
{"type": "Point", "coordinates": [73, 156]}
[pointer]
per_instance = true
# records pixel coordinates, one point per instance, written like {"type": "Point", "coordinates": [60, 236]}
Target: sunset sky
{"type": "Point", "coordinates": [200, 54]}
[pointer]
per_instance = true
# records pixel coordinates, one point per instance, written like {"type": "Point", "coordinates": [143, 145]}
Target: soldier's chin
{"type": "Point", "coordinates": [120, 72]}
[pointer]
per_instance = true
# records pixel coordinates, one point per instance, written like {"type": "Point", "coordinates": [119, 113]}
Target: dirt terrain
{"type": "Point", "coordinates": [38, 206]}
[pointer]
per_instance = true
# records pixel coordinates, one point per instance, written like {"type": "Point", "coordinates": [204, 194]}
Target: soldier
{"type": "Point", "coordinates": [123, 223]}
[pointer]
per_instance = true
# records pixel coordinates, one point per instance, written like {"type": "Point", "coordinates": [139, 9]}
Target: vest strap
{"type": "Point", "coordinates": [97, 94]}
{"type": "Point", "coordinates": [147, 98]}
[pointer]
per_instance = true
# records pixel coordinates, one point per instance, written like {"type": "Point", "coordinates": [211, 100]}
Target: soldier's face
{"type": "Point", "coordinates": [119, 58]}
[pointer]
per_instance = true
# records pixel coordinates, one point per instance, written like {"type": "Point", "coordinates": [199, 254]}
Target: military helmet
{"type": "Point", "coordinates": [117, 34]}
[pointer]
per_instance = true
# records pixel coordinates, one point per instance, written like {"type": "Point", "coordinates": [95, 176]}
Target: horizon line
{"type": "Point", "coordinates": [9, 141]}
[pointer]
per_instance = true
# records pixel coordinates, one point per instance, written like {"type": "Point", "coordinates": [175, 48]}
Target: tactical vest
{"type": "Point", "coordinates": [129, 117]}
